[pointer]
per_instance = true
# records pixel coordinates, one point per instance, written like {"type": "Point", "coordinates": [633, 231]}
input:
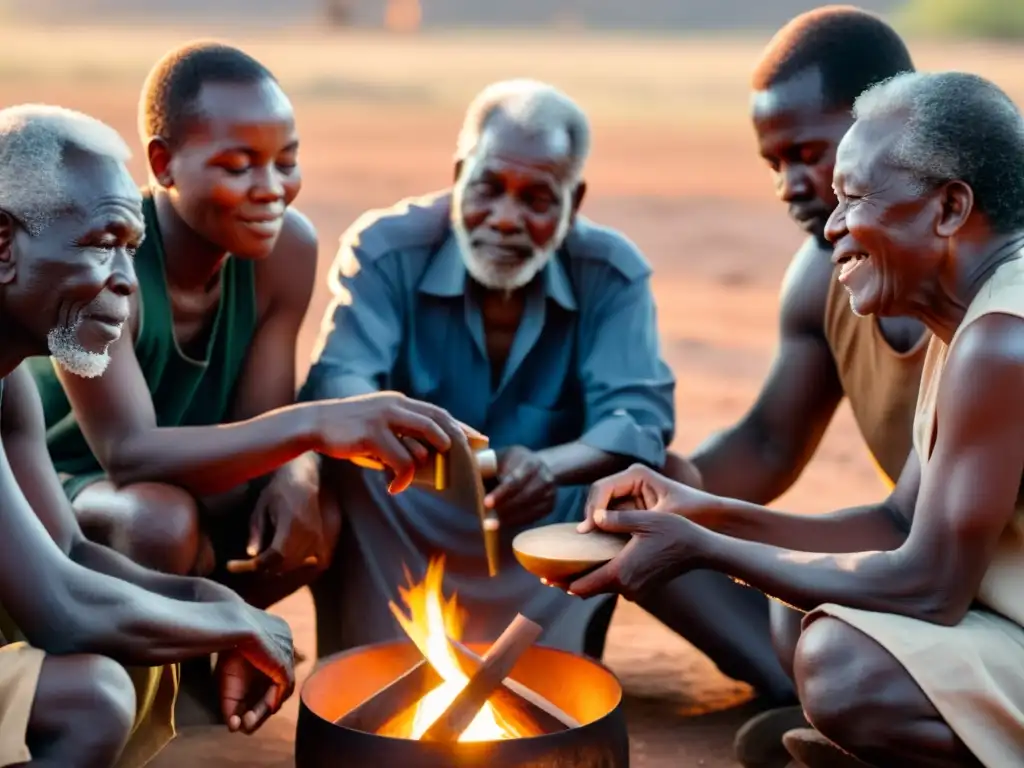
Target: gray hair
{"type": "Point", "coordinates": [957, 127]}
{"type": "Point", "coordinates": [34, 143]}
{"type": "Point", "coordinates": [532, 105]}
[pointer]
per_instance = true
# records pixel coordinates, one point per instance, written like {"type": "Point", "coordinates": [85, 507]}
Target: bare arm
{"type": "Point", "coordinates": [24, 442]}
{"type": "Point", "coordinates": [759, 458]}
{"type": "Point", "coordinates": [64, 607]}
{"type": "Point", "coordinates": [117, 418]}
{"type": "Point", "coordinates": [967, 496]}
{"type": "Point", "coordinates": [882, 526]}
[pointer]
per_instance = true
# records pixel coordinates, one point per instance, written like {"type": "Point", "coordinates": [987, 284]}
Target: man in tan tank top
{"type": "Point", "coordinates": [912, 647]}
{"type": "Point", "coordinates": [804, 88]}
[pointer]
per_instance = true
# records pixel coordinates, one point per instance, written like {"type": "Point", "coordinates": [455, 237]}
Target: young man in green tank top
{"type": "Point", "coordinates": [804, 88]}
{"type": "Point", "coordinates": [190, 453]}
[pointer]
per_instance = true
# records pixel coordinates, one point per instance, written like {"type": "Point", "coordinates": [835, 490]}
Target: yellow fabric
{"type": "Point", "coordinates": [20, 666]}
{"type": "Point", "coordinates": [156, 691]}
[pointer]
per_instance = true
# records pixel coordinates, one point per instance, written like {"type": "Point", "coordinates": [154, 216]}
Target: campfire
{"type": "Point", "coordinates": [432, 622]}
{"type": "Point", "coordinates": [432, 701]}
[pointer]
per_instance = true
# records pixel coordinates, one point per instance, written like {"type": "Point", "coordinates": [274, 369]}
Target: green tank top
{"type": "Point", "coordinates": [185, 391]}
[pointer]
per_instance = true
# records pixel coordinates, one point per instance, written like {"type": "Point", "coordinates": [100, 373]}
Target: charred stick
{"type": "Point", "coordinates": [375, 712]}
{"type": "Point", "coordinates": [499, 660]}
{"type": "Point", "coordinates": [513, 696]}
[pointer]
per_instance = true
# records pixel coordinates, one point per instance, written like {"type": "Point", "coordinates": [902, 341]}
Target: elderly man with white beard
{"type": "Point", "coordinates": [497, 301]}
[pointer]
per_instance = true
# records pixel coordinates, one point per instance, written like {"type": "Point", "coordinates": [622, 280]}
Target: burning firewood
{"type": "Point", "coordinates": [517, 703]}
{"type": "Point", "coordinates": [496, 664]}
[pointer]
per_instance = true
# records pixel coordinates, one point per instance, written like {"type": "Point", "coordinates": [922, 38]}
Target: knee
{"type": "Point", "coordinates": [163, 530]}
{"type": "Point", "coordinates": [842, 677]}
{"type": "Point", "coordinates": [785, 628]}
{"type": "Point", "coordinates": [95, 698]}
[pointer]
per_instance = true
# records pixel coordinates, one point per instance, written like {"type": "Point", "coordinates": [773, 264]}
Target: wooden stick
{"type": "Point", "coordinates": [374, 713]}
{"type": "Point", "coordinates": [494, 668]}
{"type": "Point", "coordinates": [513, 695]}
{"type": "Point", "coordinates": [249, 566]}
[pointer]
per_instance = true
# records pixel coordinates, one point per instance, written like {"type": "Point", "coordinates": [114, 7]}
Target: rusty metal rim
{"type": "Point", "coordinates": [385, 643]}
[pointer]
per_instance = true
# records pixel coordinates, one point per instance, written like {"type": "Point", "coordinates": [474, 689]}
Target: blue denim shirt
{"type": "Point", "coordinates": [585, 363]}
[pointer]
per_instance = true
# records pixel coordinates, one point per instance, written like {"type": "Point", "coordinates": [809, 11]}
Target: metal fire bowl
{"type": "Point", "coordinates": [583, 688]}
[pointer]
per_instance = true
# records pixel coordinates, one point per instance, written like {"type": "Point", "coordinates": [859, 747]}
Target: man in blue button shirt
{"type": "Point", "coordinates": [497, 302]}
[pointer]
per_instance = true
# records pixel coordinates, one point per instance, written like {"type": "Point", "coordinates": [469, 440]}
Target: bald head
{"type": "Point", "coordinates": [39, 147]}
{"type": "Point", "coordinates": [539, 113]}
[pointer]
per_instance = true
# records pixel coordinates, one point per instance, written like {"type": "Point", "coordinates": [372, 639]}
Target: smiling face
{"type": "Point", "coordinates": [887, 233]}
{"type": "Point", "coordinates": [513, 204]}
{"type": "Point", "coordinates": [235, 170]}
{"type": "Point", "coordinates": [798, 138]}
{"type": "Point", "coordinates": [68, 287]}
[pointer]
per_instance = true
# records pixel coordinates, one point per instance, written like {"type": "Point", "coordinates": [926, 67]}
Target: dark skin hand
{"type": "Point", "coordinates": [117, 608]}
{"type": "Point", "coordinates": [529, 480]}
{"type": "Point", "coordinates": [969, 492]}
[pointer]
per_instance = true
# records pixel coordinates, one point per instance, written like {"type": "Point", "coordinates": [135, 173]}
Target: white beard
{"type": "Point", "coordinates": [72, 356]}
{"type": "Point", "coordinates": [485, 272]}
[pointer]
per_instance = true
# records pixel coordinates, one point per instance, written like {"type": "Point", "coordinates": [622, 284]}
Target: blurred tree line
{"type": "Point", "coordinates": [992, 19]}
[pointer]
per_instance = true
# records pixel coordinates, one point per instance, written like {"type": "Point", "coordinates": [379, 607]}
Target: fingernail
{"type": "Point", "coordinates": [488, 501]}
{"type": "Point", "coordinates": [581, 528]}
{"type": "Point", "coordinates": [599, 516]}
{"type": "Point", "coordinates": [252, 551]}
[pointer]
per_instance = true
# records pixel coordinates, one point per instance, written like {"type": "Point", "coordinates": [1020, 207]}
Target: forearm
{"type": "Point", "coordinates": [882, 581]}
{"type": "Point", "coordinates": [80, 610]}
{"type": "Point", "coordinates": [208, 460]}
{"type": "Point", "coordinates": [576, 463]}
{"type": "Point", "coordinates": [737, 464]}
{"type": "Point", "coordinates": [855, 529]}
{"type": "Point", "coordinates": [150, 630]}
{"type": "Point", "coordinates": [107, 561]}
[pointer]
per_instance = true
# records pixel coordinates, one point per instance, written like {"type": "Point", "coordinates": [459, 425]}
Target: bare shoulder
{"type": "Point", "coordinates": [289, 274]}
{"type": "Point", "coordinates": [992, 345]}
{"type": "Point", "coordinates": [805, 288]}
{"type": "Point", "coordinates": [20, 400]}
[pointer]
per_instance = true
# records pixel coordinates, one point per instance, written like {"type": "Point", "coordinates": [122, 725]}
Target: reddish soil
{"type": "Point", "coordinates": [696, 199]}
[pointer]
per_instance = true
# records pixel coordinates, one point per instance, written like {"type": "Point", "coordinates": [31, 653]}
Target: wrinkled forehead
{"type": "Point", "coordinates": [96, 186]}
{"type": "Point", "coordinates": [506, 147]}
{"type": "Point", "coordinates": [864, 151]}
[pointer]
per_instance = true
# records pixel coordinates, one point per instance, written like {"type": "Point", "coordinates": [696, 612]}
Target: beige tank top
{"type": "Point", "coordinates": [1003, 293]}
{"type": "Point", "coordinates": [880, 383]}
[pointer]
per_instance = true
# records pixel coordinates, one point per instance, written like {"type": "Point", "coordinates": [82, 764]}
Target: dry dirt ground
{"type": "Point", "coordinates": [674, 166]}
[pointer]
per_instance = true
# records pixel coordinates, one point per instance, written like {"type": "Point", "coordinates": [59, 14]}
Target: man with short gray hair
{"type": "Point", "coordinates": [70, 221]}
{"type": "Point", "coordinates": [497, 301]}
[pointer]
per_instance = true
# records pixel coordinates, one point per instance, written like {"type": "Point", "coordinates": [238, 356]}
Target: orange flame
{"type": "Point", "coordinates": [429, 624]}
